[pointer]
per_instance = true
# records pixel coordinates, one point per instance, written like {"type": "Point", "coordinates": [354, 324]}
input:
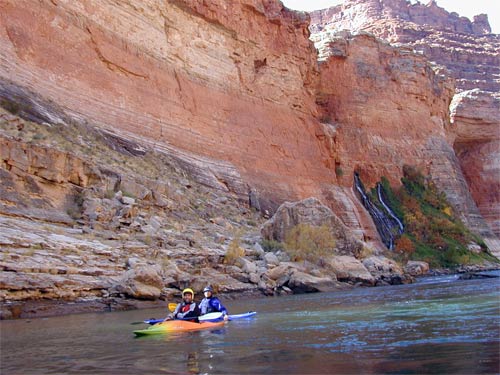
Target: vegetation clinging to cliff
{"type": "Point", "coordinates": [433, 232]}
{"type": "Point", "coordinates": [308, 242]}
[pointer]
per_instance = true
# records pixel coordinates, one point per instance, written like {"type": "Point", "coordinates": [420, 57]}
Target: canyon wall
{"type": "Point", "coordinates": [235, 92]}
{"type": "Point", "coordinates": [466, 51]}
{"type": "Point", "coordinates": [224, 85]}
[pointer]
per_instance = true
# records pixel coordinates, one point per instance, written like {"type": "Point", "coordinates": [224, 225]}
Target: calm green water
{"type": "Point", "coordinates": [439, 326]}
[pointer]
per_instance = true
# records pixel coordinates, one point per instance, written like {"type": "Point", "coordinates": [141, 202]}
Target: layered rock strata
{"type": "Point", "coordinates": [237, 106]}
{"type": "Point", "coordinates": [197, 78]}
{"type": "Point", "coordinates": [387, 107]}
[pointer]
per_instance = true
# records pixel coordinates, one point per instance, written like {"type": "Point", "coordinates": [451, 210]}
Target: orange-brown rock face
{"type": "Point", "coordinates": [227, 83]}
{"type": "Point", "coordinates": [476, 117]}
{"type": "Point", "coordinates": [385, 103]}
{"type": "Point", "coordinates": [471, 55]}
{"type": "Point", "coordinates": [385, 107]}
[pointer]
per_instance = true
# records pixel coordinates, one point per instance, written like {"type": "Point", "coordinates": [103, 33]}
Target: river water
{"type": "Point", "coordinates": [439, 325]}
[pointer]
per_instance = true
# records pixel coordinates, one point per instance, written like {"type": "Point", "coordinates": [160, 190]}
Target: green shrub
{"type": "Point", "coordinates": [128, 194]}
{"type": "Point", "coordinates": [308, 242]}
{"type": "Point", "coordinates": [426, 254]}
{"type": "Point", "coordinates": [74, 212]}
{"type": "Point", "coordinates": [392, 199]}
{"type": "Point", "coordinates": [147, 239]}
{"type": "Point", "coordinates": [272, 246]}
{"type": "Point", "coordinates": [109, 194]}
{"type": "Point", "coordinates": [10, 106]}
{"type": "Point", "coordinates": [433, 232]}
{"type": "Point", "coordinates": [234, 251]}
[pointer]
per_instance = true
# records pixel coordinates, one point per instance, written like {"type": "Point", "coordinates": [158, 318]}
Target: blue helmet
{"type": "Point", "coordinates": [208, 289]}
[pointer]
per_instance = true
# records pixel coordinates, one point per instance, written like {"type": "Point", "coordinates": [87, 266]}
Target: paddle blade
{"type": "Point", "coordinates": [211, 317]}
{"type": "Point", "coordinates": [243, 316]}
{"type": "Point", "coordinates": [154, 321]}
{"type": "Point", "coordinates": [172, 306]}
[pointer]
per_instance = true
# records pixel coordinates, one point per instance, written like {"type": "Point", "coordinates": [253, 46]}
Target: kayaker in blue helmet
{"type": "Point", "coordinates": [211, 304]}
{"type": "Point", "coordinates": [187, 308]}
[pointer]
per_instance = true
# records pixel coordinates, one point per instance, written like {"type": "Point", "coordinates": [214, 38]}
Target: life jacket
{"type": "Point", "coordinates": [185, 307]}
{"type": "Point", "coordinates": [210, 308]}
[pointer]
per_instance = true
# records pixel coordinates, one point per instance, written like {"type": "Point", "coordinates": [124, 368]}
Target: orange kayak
{"type": "Point", "coordinates": [177, 326]}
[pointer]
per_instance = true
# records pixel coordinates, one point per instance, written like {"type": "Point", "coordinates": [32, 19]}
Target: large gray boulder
{"type": "Point", "coordinates": [301, 282]}
{"type": "Point", "coordinates": [350, 269]}
{"type": "Point", "coordinates": [142, 282]}
{"type": "Point", "coordinates": [416, 268]}
{"type": "Point", "coordinates": [386, 270]}
{"type": "Point", "coordinates": [311, 211]}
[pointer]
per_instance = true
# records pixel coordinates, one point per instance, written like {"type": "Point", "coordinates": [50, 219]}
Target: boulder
{"type": "Point", "coordinates": [386, 270]}
{"type": "Point", "coordinates": [416, 268]}
{"type": "Point", "coordinates": [258, 249]}
{"type": "Point", "coordinates": [301, 282]}
{"type": "Point", "coordinates": [310, 211]}
{"type": "Point", "coordinates": [142, 282]}
{"type": "Point", "coordinates": [278, 272]}
{"type": "Point", "coordinates": [349, 269]}
{"type": "Point", "coordinates": [245, 265]}
{"type": "Point", "coordinates": [271, 259]}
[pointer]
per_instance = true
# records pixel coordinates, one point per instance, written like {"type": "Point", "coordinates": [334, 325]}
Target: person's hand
{"type": "Point", "coordinates": [226, 317]}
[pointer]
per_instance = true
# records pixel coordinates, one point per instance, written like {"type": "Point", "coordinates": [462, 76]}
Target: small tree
{"type": "Point", "coordinates": [405, 245]}
{"type": "Point", "coordinates": [234, 251]}
{"type": "Point", "coordinates": [308, 242]}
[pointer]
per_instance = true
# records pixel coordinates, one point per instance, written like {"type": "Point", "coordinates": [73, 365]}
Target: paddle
{"type": "Point", "coordinates": [155, 321]}
{"type": "Point", "coordinates": [248, 314]}
{"type": "Point", "coordinates": [171, 308]}
{"type": "Point", "coordinates": [212, 317]}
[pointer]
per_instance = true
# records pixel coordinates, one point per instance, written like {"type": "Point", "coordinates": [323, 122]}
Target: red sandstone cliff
{"type": "Point", "coordinates": [470, 54]}
{"type": "Point", "coordinates": [231, 89]}
{"type": "Point", "coordinates": [178, 75]}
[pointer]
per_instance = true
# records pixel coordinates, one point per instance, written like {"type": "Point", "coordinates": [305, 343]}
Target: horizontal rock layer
{"type": "Point", "coordinates": [177, 74]}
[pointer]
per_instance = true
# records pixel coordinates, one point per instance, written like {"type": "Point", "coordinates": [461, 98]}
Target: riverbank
{"type": "Point", "coordinates": [32, 309]}
{"type": "Point", "coordinates": [53, 269]}
{"type": "Point", "coordinates": [51, 308]}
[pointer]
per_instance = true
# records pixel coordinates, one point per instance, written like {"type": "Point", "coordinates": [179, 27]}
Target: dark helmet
{"type": "Point", "coordinates": [208, 289]}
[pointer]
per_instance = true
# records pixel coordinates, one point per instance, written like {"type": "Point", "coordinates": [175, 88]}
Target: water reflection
{"type": "Point", "coordinates": [193, 366]}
